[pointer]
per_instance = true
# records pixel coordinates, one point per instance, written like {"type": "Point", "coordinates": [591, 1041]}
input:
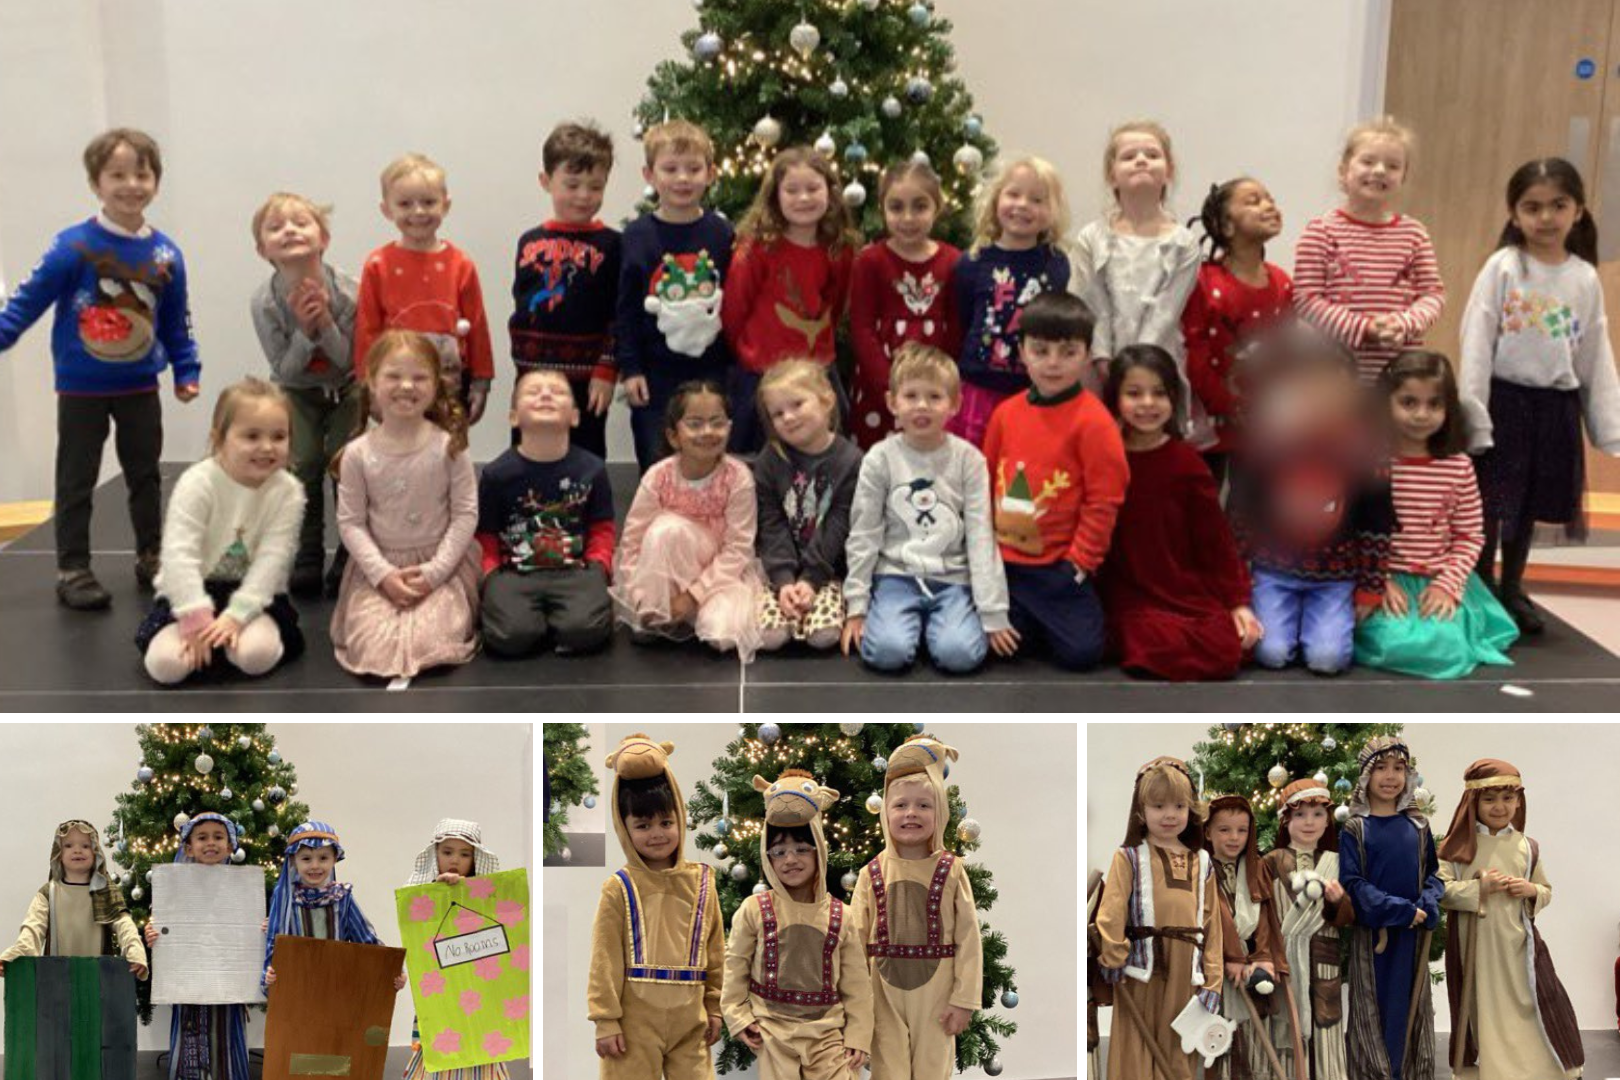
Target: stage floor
{"type": "Point", "coordinates": [61, 660]}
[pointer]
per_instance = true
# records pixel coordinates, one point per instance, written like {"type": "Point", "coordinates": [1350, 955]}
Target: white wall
{"type": "Point", "coordinates": [316, 97]}
{"type": "Point", "coordinates": [1567, 770]}
{"type": "Point", "coordinates": [383, 786]}
{"type": "Point", "coordinates": [1018, 781]}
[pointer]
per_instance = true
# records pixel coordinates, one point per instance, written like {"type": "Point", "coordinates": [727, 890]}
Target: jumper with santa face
{"type": "Point", "coordinates": [797, 969]}
{"type": "Point", "coordinates": [658, 946]}
{"type": "Point", "coordinates": [921, 932]}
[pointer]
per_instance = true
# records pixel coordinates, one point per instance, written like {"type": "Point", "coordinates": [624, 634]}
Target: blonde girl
{"type": "Point", "coordinates": [228, 546]}
{"type": "Point", "coordinates": [1017, 253]}
{"type": "Point", "coordinates": [789, 280]}
{"type": "Point", "coordinates": [805, 482]}
{"type": "Point", "coordinates": [407, 509]}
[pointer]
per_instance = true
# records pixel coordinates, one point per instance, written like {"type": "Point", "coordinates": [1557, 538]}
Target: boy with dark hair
{"type": "Point", "coordinates": [566, 279]}
{"type": "Point", "coordinates": [1057, 464]}
{"type": "Point", "coordinates": [657, 947]}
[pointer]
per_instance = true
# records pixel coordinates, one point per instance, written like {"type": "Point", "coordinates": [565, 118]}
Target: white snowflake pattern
{"type": "Point", "coordinates": [82, 299]}
{"type": "Point", "coordinates": [566, 483]}
{"type": "Point", "coordinates": [163, 254]}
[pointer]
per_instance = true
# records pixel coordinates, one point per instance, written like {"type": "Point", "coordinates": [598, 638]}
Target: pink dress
{"type": "Point", "coordinates": [694, 536]}
{"type": "Point", "coordinates": [417, 508]}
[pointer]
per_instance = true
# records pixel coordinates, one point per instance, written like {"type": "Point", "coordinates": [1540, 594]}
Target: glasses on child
{"type": "Point", "coordinates": [798, 851]}
{"type": "Point", "coordinates": [695, 425]}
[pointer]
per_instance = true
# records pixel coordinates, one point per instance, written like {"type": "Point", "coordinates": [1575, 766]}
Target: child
{"type": "Point", "coordinates": [805, 479]}
{"type": "Point", "coordinates": [1250, 933]}
{"type": "Point", "coordinates": [1017, 253]}
{"type": "Point", "coordinates": [789, 281]}
{"type": "Point", "coordinates": [119, 287]}
{"type": "Point", "coordinates": [1059, 478]}
{"type": "Point", "coordinates": [309, 900]}
{"type": "Point", "coordinates": [228, 546]}
{"type": "Point", "coordinates": [1175, 589]}
{"type": "Point", "coordinates": [913, 910]}
{"type": "Point", "coordinates": [407, 508]}
{"type": "Point", "coordinates": [686, 559]}
{"type": "Point", "coordinates": [796, 989]}
{"type": "Point", "coordinates": [1310, 504]}
{"type": "Point", "coordinates": [923, 564]}
{"type": "Point", "coordinates": [1239, 295]}
{"type": "Point", "coordinates": [1136, 266]}
{"type": "Point", "coordinates": [1305, 867]}
{"type": "Point", "coordinates": [1365, 274]}
{"type": "Point", "coordinates": [900, 290]}
{"type": "Point", "coordinates": [1159, 923]}
{"type": "Point", "coordinates": [545, 529]}
{"type": "Point", "coordinates": [565, 285]}
{"type": "Point", "coordinates": [676, 260]}
{"type": "Point", "coordinates": [304, 316]}
{"type": "Point", "coordinates": [79, 911]}
{"type": "Point", "coordinates": [206, 1042]}
{"type": "Point", "coordinates": [426, 284]}
{"type": "Point", "coordinates": [656, 968]}
{"type": "Point", "coordinates": [1388, 866]}
{"type": "Point", "coordinates": [456, 851]}
{"type": "Point", "coordinates": [1510, 1015]}
{"type": "Point", "coordinates": [1536, 363]}
{"type": "Point", "coordinates": [1438, 619]}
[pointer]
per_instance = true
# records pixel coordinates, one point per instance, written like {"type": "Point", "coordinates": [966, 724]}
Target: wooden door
{"type": "Point", "coordinates": [1488, 85]}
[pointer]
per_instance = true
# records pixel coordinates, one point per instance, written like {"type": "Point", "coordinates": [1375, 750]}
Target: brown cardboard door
{"type": "Point", "coordinates": [1488, 85]}
{"type": "Point", "coordinates": [330, 1009]}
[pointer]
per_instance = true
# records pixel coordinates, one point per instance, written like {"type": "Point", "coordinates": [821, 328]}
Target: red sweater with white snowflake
{"type": "Point", "coordinates": [1442, 526]}
{"type": "Point", "coordinates": [893, 300]}
{"type": "Point", "coordinates": [784, 300]}
{"type": "Point", "coordinates": [426, 291]}
{"type": "Point", "coordinates": [1346, 271]}
{"type": "Point", "coordinates": [1221, 316]}
{"type": "Point", "coordinates": [1058, 478]}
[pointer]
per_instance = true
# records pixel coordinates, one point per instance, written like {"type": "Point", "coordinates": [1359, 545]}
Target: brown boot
{"type": "Point", "coordinates": [79, 590]}
{"type": "Point", "coordinates": [147, 564]}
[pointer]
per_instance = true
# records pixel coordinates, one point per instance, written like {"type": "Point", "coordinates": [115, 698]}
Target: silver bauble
{"type": "Point", "coordinates": [855, 194]}
{"type": "Point", "coordinates": [1342, 814]}
{"type": "Point", "coordinates": [968, 159]}
{"type": "Point", "coordinates": [891, 107]}
{"type": "Point", "coordinates": [181, 820]}
{"type": "Point", "coordinates": [227, 794]}
{"type": "Point", "coordinates": [739, 872]}
{"type": "Point", "coordinates": [1009, 999]}
{"type": "Point", "coordinates": [136, 893]}
{"type": "Point", "coordinates": [721, 851]}
{"type": "Point", "coordinates": [918, 90]}
{"type": "Point", "coordinates": [590, 802]}
{"type": "Point", "coordinates": [992, 1067]}
{"type": "Point", "coordinates": [769, 733]}
{"type": "Point", "coordinates": [238, 856]}
{"type": "Point", "coordinates": [920, 157]}
{"type": "Point", "coordinates": [874, 803]}
{"type": "Point", "coordinates": [1321, 778]}
{"type": "Point", "coordinates": [848, 880]}
{"type": "Point", "coordinates": [919, 13]}
{"type": "Point", "coordinates": [880, 764]}
{"type": "Point", "coordinates": [760, 887]}
{"type": "Point", "coordinates": [838, 88]}
{"type": "Point", "coordinates": [144, 774]}
{"type": "Point", "coordinates": [1278, 776]}
{"type": "Point", "coordinates": [851, 727]}
{"type": "Point", "coordinates": [1329, 743]}
{"type": "Point", "coordinates": [804, 38]}
{"type": "Point", "coordinates": [204, 764]}
{"type": "Point", "coordinates": [707, 46]}
{"type": "Point", "coordinates": [825, 145]}
{"type": "Point", "coordinates": [274, 830]}
{"type": "Point", "coordinates": [274, 757]}
{"type": "Point", "coordinates": [566, 854]}
{"type": "Point", "coordinates": [258, 805]}
{"type": "Point", "coordinates": [969, 830]}
{"type": "Point", "coordinates": [768, 131]}
{"type": "Point", "coordinates": [243, 742]}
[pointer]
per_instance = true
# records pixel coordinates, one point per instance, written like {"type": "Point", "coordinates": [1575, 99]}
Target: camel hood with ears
{"type": "Point", "coordinates": [919, 754]}
{"type": "Point", "coordinates": [795, 798]}
{"type": "Point", "coordinates": [639, 758]}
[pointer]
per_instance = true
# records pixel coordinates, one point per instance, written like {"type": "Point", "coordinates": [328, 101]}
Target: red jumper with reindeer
{"type": "Point", "coordinates": [784, 301]}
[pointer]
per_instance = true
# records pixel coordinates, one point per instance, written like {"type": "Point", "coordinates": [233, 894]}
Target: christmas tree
{"type": "Point", "coordinates": [850, 758]}
{"type": "Point", "coordinates": [186, 769]}
{"type": "Point", "coordinates": [866, 82]}
{"type": "Point", "coordinates": [570, 780]}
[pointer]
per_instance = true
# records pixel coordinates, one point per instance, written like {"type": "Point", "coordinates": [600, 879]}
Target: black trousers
{"type": "Point", "coordinates": [81, 432]}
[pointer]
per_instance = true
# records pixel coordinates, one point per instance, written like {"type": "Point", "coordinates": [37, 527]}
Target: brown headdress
{"type": "Point", "coordinates": [1136, 828]}
{"type": "Point", "coordinates": [1482, 775]}
{"type": "Point", "coordinates": [1301, 793]}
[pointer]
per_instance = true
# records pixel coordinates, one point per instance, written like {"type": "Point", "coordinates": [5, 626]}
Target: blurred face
{"type": "Point", "coordinates": [209, 844]}
{"type": "Point", "coordinates": [1545, 213]}
{"type": "Point", "coordinates": [291, 233]}
{"type": "Point", "coordinates": [78, 855]}
{"type": "Point", "coordinates": [1140, 165]}
{"type": "Point", "coordinates": [1023, 209]}
{"type": "Point", "coordinates": [255, 446]}
{"type": "Point", "coordinates": [417, 206]}
{"type": "Point", "coordinates": [1497, 807]}
{"type": "Point", "coordinates": [1165, 820]}
{"type": "Point", "coordinates": [803, 197]}
{"type": "Point", "coordinates": [699, 436]}
{"type": "Point", "coordinates": [1388, 779]}
{"type": "Point", "coordinates": [1229, 834]}
{"type": "Point", "coordinates": [1053, 366]}
{"type": "Point", "coordinates": [454, 856]}
{"type": "Point", "coordinates": [1252, 214]}
{"type": "Point", "coordinates": [654, 838]}
{"type": "Point", "coordinates": [1418, 408]}
{"type": "Point", "coordinates": [125, 187]}
{"type": "Point", "coordinates": [1144, 403]}
{"type": "Point", "coordinates": [544, 402]}
{"type": "Point", "coordinates": [800, 418]}
{"type": "Point", "coordinates": [794, 861]}
{"type": "Point", "coordinates": [576, 194]}
{"type": "Point", "coordinates": [910, 810]}
{"type": "Point", "coordinates": [314, 865]}
{"type": "Point", "coordinates": [908, 213]}
{"type": "Point", "coordinates": [679, 179]}
{"type": "Point", "coordinates": [1307, 824]}
{"type": "Point", "coordinates": [404, 386]}
{"type": "Point", "coordinates": [1375, 170]}
{"type": "Point", "coordinates": [922, 407]}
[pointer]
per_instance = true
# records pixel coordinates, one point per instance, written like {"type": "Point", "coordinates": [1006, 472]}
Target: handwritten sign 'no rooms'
{"type": "Point", "coordinates": [466, 948]}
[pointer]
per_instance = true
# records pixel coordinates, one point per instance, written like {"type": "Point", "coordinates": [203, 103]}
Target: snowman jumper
{"type": "Point", "coordinates": [435, 293]}
{"type": "Point", "coordinates": [893, 300]}
{"type": "Point", "coordinates": [920, 929]}
{"type": "Point", "coordinates": [797, 969]}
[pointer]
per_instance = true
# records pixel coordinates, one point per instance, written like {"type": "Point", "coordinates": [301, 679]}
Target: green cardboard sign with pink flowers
{"type": "Point", "coordinates": [467, 954]}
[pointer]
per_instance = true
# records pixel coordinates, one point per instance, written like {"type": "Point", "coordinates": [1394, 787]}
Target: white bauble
{"type": "Point", "coordinates": [851, 727]}
{"type": "Point", "coordinates": [768, 131]}
{"type": "Point", "coordinates": [891, 107]}
{"type": "Point", "coordinates": [1278, 776]}
{"type": "Point", "coordinates": [1342, 814]}
{"type": "Point", "coordinates": [874, 803]}
{"type": "Point", "coordinates": [968, 159]}
{"type": "Point", "coordinates": [204, 764]}
{"type": "Point", "coordinates": [969, 830]}
{"type": "Point", "coordinates": [804, 38]}
{"type": "Point", "coordinates": [838, 88]}
{"type": "Point", "coordinates": [825, 144]}
{"type": "Point", "coordinates": [181, 820]}
{"type": "Point", "coordinates": [855, 194]}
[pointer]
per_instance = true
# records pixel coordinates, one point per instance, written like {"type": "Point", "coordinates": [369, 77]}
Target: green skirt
{"type": "Point", "coordinates": [1479, 633]}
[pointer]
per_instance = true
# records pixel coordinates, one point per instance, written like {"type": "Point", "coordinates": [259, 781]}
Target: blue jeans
{"type": "Point", "coordinates": [906, 610]}
{"type": "Point", "coordinates": [1317, 618]}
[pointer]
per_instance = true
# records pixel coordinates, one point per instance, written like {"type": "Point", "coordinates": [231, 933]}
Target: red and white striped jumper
{"type": "Point", "coordinates": [1442, 525]}
{"type": "Point", "coordinates": [1347, 271]}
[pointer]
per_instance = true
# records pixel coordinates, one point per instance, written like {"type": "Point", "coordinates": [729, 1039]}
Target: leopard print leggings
{"type": "Point", "coordinates": [820, 629]}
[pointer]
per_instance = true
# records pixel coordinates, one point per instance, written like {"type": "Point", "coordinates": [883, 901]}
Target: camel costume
{"type": "Point", "coordinates": [1159, 932]}
{"type": "Point", "coordinates": [798, 970]}
{"type": "Point", "coordinates": [1310, 930]}
{"type": "Point", "coordinates": [657, 949]}
{"type": "Point", "coordinates": [1511, 1019]}
{"type": "Point", "coordinates": [921, 932]}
